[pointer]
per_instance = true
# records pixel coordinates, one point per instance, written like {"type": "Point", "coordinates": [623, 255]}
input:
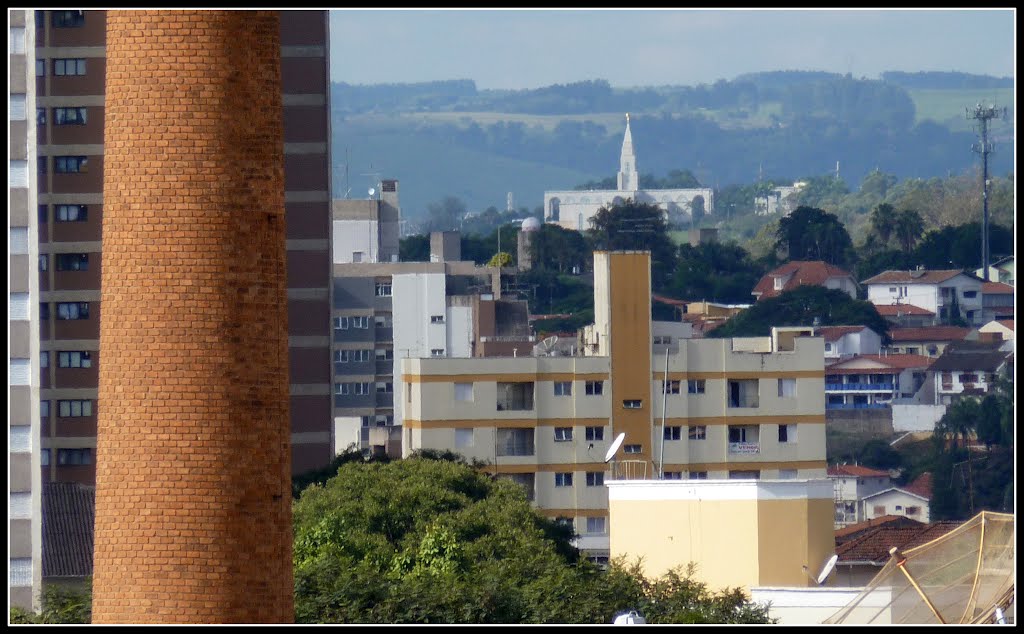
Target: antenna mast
{"type": "Point", "coordinates": [983, 114]}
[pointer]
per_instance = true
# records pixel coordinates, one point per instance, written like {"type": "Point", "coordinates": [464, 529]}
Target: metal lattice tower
{"type": "Point", "coordinates": [983, 114]}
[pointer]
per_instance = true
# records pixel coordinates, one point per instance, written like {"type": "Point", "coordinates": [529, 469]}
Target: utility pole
{"type": "Point", "coordinates": [983, 114]}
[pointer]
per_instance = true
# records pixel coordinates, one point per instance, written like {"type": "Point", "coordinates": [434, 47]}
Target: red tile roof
{"type": "Point", "coordinates": [895, 363]}
{"type": "Point", "coordinates": [849, 532]}
{"type": "Point", "coordinates": [929, 333]}
{"type": "Point", "coordinates": [996, 288]}
{"type": "Point", "coordinates": [832, 333]}
{"type": "Point", "coordinates": [800, 273]}
{"type": "Point", "coordinates": [856, 471]}
{"type": "Point", "coordinates": [914, 277]}
{"type": "Point", "coordinates": [895, 310]}
{"type": "Point", "coordinates": [922, 485]}
{"type": "Point", "coordinates": [873, 545]}
{"type": "Point", "coordinates": [1006, 323]}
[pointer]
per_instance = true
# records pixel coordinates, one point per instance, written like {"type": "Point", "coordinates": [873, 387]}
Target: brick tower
{"type": "Point", "coordinates": [193, 505]}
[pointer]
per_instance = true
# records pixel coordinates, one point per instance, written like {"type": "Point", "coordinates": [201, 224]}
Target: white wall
{"type": "Point", "coordinates": [346, 431]}
{"type": "Point", "coordinates": [459, 334]}
{"type": "Point", "coordinates": [890, 500]}
{"type": "Point", "coordinates": [354, 235]}
{"type": "Point", "coordinates": [805, 605]}
{"type": "Point", "coordinates": [912, 417]}
{"type": "Point", "coordinates": [415, 298]}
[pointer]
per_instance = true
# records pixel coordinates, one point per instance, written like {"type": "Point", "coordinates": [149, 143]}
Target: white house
{"type": "Point", "coordinates": [969, 368]}
{"type": "Point", "coordinates": [847, 341]}
{"type": "Point", "coordinates": [1000, 271]}
{"type": "Point", "coordinates": [851, 484]}
{"type": "Point", "coordinates": [897, 501]}
{"type": "Point", "coordinates": [874, 381]}
{"type": "Point", "coordinates": [932, 290]}
{"type": "Point", "coordinates": [796, 273]}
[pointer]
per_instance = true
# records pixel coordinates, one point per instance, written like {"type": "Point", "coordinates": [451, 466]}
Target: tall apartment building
{"type": "Point", "coordinates": [386, 310]}
{"type": "Point", "coordinates": [70, 70]}
{"type": "Point", "coordinates": [733, 408]}
{"type": "Point", "coordinates": [25, 483]}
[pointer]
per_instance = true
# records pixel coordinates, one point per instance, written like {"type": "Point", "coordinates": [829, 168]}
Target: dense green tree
{"type": "Point", "coordinates": [883, 223]}
{"type": "Point", "coordinates": [635, 226]}
{"type": "Point", "coordinates": [878, 453]}
{"type": "Point", "coordinates": [437, 541]}
{"type": "Point", "coordinates": [559, 249]}
{"type": "Point", "coordinates": [908, 227]}
{"type": "Point", "coordinates": [813, 234]}
{"type": "Point", "coordinates": [959, 246]}
{"type": "Point", "coordinates": [66, 605]}
{"type": "Point", "coordinates": [800, 307]}
{"type": "Point", "coordinates": [716, 272]}
{"type": "Point", "coordinates": [415, 248]}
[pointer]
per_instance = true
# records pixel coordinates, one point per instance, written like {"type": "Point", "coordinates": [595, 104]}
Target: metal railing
{"type": "Point", "coordinates": [872, 387]}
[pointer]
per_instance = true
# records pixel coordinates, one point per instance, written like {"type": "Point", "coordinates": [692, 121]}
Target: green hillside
{"type": "Point", "coordinates": [947, 106]}
{"type": "Point", "coordinates": [478, 178]}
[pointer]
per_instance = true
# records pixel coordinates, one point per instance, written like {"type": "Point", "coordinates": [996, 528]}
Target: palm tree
{"type": "Point", "coordinates": [883, 222]}
{"type": "Point", "coordinates": [908, 228]}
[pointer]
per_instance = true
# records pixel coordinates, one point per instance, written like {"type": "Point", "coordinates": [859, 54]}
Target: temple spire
{"type": "Point", "coordinates": [628, 179]}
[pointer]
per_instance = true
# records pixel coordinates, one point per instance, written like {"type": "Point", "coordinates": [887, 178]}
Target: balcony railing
{"type": "Point", "coordinates": [856, 405]}
{"type": "Point", "coordinates": [860, 387]}
{"type": "Point", "coordinates": [744, 448]}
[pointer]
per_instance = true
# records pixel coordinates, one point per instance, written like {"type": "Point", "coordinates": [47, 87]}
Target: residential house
{"type": "Point", "coordinates": [705, 316]}
{"type": "Point", "coordinates": [804, 273]}
{"type": "Point", "coordinates": [847, 341]}
{"type": "Point", "coordinates": [1002, 270]}
{"type": "Point", "coordinates": [1000, 330]}
{"type": "Point", "coordinates": [906, 315]}
{"type": "Point", "coordinates": [850, 485]}
{"type": "Point", "coordinates": [930, 341]}
{"type": "Point", "coordinates": [935, 291]}
{"type": "Point", "coordinates": [996, 301]}
{"type": "Point", "coordinates": [874, 380]}
{"type": "Point", "coordinates": [970, 368]}
{"type": "Point", "coordinates": [862, 557]}
{"type": "Point", "coordinates": [910, 501]}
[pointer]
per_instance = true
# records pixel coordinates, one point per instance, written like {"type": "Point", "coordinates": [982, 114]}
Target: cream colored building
{"type": "Point", "coordinates": [740, 408]}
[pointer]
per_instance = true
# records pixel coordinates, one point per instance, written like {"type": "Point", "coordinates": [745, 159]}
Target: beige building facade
{"type": "Point", "coordinates": [743, 408]}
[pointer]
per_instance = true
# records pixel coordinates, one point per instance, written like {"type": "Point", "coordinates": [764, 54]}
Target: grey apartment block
{"type": "Point", "coordinates": [25, 484]}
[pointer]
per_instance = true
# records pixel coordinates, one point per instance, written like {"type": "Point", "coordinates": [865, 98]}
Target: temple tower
{"type": "Point", "coordinates": [193, 504]}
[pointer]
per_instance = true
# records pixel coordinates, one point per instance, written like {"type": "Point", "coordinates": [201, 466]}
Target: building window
{"type": "Point", "coordinates": [43, 263]}
{"type": "Point", "coordinates": [514, 442]}
{"type": "Point", "coordinates": [341, 323]}
{"type": "Point", "coordinates": [673, 433]}
{"type": "Point", "coordinates": [40, 117]}
{"type": "Point", "coordinates": [787, 388]}
{"type": "Point", "coordinates": [744, 475]}
{"type": "Point", "coordinates": [383, 289]}
{"type": "Point", "coordinates": [362, 322]}
{"type": "Point", "coordinates": [596, 525]}
{"type": "Point", "coordinates": [68, 19]}
{"type": "Point", "coordinates": [743, 393]}
{"type": "Point", "coordinates": [913, 510]}
{"type": "Point", "coordinates": [44, 455]}
{"type": "Point", "coordinates": [44, 310]}
{"type": "Point", "coordinates": [437, 352]}
{"type": "Point", "coordinates": [563, 388]}
{"type": "Point", "coordinates": [44, 409]}
{"type": "Point", "coordinates": [632, 404]}
{"type": "Point", "coordinates": [787, 474]}
{"type": "Point", "coordinates": [74, 409]}
{"type": "Point", "coordinates": [563, 434]}
{"type": "Point", "coordinates": [695, 386]}
{"type": "Point", "coordinates": [437, 319]}
{"type": "Point", "coordinates": [463, 438]}
{"type": "Point", "coordinates": [595, 478]}
{"type": "Point", "coordinates": [595, 433]}
{"type": "Point", "coordinates": [515, 396]}
{"type": "Point", "coordinates": [72, 310]}
{"type": "Point", "coordinates": [69, 116]}
{"type": "Point", "coordinates": [44, 359]}
{"type": "Point", "coordinates": [740, 433]}
{"type": "Point", "coordinates": [41, 72]}
{"type": "Point", "coordinates": [698, 432]}
{"type": "Point", "coordinates": [672, 387]}
{"type": "Point", "coordinates": [662, 340]}
{"type": "Point", "coordinates": [384, 354]}
{"type": "Point", "coordinates": [970, 294]}
{"type": "Point", "coordinates": [595, 388]}
{"type": "Point", "coordinates": [72, 261]}
{"type": "Point", "coordinates": [74, 456]}
{"type": "Point", "coordinates": [878, 510]}
{"type": "Point", "coordinates": [672, 475]}
{"type": "Point", "coordinates": [464, 392]}
{"type": "Point", "coordinates": [43, 209]}
{"type": "Point", "coordinates": [41, 165]}
{"type": "Point", "coordinates": [633, 448]}
{"type": "Point", "coordinates": [72, 213]}
{"type": "Point", "coordinates": [74, 359]}
{"type": "Point", "coordinates": [787, 433]}
{"type": "Point", "coordinates": [828, 347]}
{"type": "Point", "coordinates": [563, 479]}
{"type": "Point", "coordinates": [385, 388]}
{"type": "Point", "coordinates": [698, 475]}
{"type": "Point", "coordinates": [70, 164]}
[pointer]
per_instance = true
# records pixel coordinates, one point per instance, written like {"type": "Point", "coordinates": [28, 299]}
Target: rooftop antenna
{"type": "Point", "coordinates": [983, 114]}
{"type": "Point", "coordinates": [826, 570]}
{"type": "Point", "coordinates": [376, 179]}
{"type": "Point", "coordinates": [615, 447]}
{"type": "Point", "coordinates": [348, 189]}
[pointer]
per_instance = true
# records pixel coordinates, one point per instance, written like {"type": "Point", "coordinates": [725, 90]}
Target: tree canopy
{"type": "Point", "coordinates": [800, 307]}
{"type": "Point", "coordinates": [635, 226]}
{"type": "Point", "coordinates": [810, 233]}
{"type": "Point", "coordinates": [436, 541]}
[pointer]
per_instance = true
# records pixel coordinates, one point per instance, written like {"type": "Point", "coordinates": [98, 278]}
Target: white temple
{"type": "Point", "coordinates": [574, 209]}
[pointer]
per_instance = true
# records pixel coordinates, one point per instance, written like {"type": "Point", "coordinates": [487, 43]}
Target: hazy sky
{"type": "Point", "coordinates": [528, 48]}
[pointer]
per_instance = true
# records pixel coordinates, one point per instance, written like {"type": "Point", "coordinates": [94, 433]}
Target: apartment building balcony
{"type": "Point", "coordinates": [385, 399]}
{"type": "Point", "coordinates": [382, 334]}
{"type": "Point", "coordinates": [385, 366]}
{"type": "Point", "coordinates": [860, 387]}
{"type": "Point", "coordinates": [857, 405]}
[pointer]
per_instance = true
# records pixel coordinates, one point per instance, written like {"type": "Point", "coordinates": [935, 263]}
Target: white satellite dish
{"type": "Point", "coordinates": [827, 570]}
{"type": "Point", "coordinates": [615, 446]}
{"type": "Point", "coordinates": [372, 192]}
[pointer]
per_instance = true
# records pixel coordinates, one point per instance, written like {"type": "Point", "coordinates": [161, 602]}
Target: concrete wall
{"type": "Point", "coordinates": [916, 417]}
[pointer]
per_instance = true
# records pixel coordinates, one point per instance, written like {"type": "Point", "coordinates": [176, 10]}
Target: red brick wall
{"type": "Point", "coordinates": [193, 506]}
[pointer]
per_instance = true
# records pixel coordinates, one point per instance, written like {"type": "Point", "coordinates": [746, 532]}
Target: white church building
{"type": "Point", "coordinates": [574, 209]}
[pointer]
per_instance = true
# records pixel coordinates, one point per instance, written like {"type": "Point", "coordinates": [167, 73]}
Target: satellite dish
{"type": "Point", "coordinates": [372, 191]}
{"type": "Point", "coordinates": [827, 570]}
{"type": "Point", "coordinates": [615, 446]}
